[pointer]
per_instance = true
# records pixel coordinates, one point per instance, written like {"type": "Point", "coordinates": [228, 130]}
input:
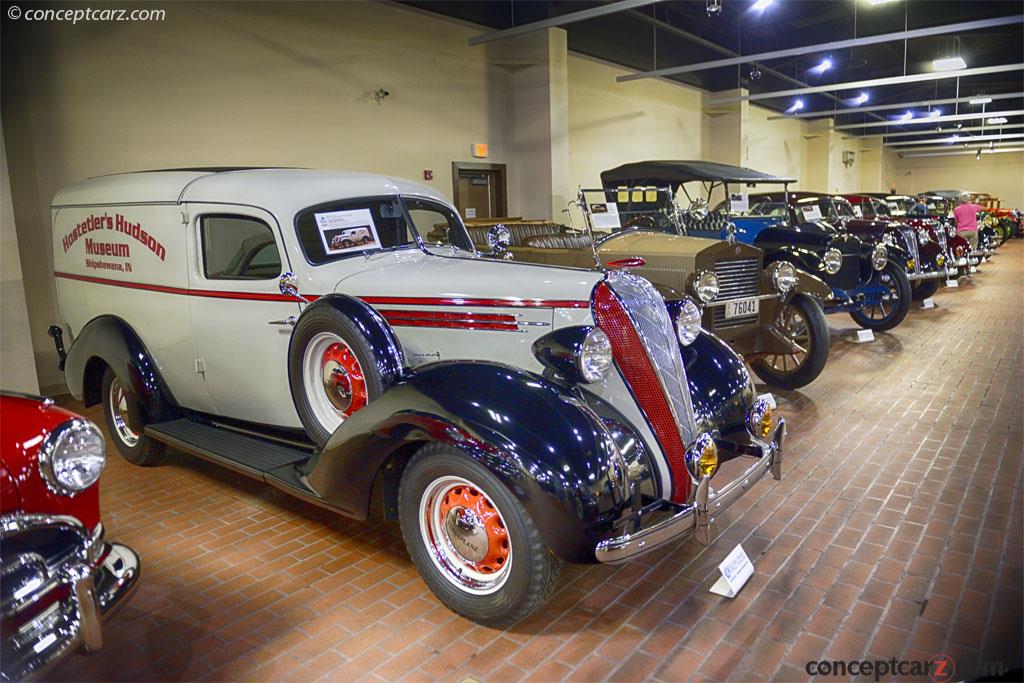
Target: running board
{"type": "Point", "coordinates": [248, 455]}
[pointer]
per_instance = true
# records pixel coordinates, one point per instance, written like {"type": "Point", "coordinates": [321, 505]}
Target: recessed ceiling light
{"type": "Point", "coordinates": [981, 100]}
{"type": "Point", "coordinates": [949, 64]}
{"type": "Point", "coordinates": [997, 119]}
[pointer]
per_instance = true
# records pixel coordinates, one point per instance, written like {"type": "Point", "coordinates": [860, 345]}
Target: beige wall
{"type": "Point", "coordinates": [776, 147]}
{"type": "Point", "coordinates": [999, 174]}
{"type": "Point", "coordinates": [235, 84]}
{"type": "Point", "coordinates": [613, 123]}
{"type": "Point", "coordinates": [17, 371]}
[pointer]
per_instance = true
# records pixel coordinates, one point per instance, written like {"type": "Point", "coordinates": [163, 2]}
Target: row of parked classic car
{"type": "Point", "coordinates": [559, 395]}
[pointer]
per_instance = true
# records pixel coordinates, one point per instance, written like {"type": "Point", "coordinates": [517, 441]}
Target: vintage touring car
{"type": "Point", "coordinates": [60, 580]}
{"type": "Point", "coordinates": [924, 260]}
{"type": "Point", "coordinates": [865, 283]}
{"type": "Point", "coordinates": [510, 416]}
{"type": "Point", "coordinates": [767, 313]}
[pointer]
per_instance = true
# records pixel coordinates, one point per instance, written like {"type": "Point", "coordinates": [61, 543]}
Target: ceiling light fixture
{"type": "Point", "coordinates": [934, 112]}
{"type": "Point", "coordinates": [875, 3]}
{"type": "Point", "coordinates": [981, 100]}
{"type": "Point", "coordinates": [949, 64]}
{"type": "Point", "coordinates": [996, 119]}
{"type": "Point", "coordinates": [796, 106]}
{"type": "Point", "coordinates": [905, 116]}
{"type": "Point", "coordinates": [714, 8]}
{"type": "Point", "coordinates": [761, 5]}
{"type": "Point", "coordinates": [822, 67]}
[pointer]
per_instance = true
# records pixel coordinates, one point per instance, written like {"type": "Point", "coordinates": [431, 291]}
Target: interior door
{"type": "Point", "coordinates": [240, 319]}
{"type": "Point", "coordinates": [477, 194]}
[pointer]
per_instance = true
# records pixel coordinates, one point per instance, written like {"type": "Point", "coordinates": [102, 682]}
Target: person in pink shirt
{"type": "Point", "coordinates": [966, 214]}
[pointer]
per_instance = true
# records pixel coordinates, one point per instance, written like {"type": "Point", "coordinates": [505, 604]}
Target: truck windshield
{"type": "Point", "coordinates": [335, 230]}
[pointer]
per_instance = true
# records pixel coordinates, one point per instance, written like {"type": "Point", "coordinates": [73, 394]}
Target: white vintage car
{"type": "Point", "coordinates": [511, 416]}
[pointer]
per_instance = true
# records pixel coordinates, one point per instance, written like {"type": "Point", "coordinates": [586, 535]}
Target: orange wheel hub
{"type": "Point", "coordinates": [474, 528]}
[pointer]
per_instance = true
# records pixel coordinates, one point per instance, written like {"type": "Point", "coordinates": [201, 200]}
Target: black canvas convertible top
{"type": "Point", "coordinates": [677, 172]}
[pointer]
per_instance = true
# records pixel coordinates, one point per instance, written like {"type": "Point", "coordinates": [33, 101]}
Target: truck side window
{"type": "Point", "coordinates": [238, 248]}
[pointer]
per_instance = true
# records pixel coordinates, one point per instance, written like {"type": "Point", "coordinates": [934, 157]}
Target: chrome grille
{"type": "Point", "coordinates": [911, 237]}
{"type": "Point", "coordinates": [737, 279]}
{"type": "Point", "coordinates": [647, 310]}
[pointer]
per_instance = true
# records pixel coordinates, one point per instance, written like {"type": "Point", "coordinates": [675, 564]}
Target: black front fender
{"type": "Point", "coordinates": [540, 439]}
{"type": "Point", "coordinates": [721, 389]}
{"type": "Point", "coordinates": [111, 341]}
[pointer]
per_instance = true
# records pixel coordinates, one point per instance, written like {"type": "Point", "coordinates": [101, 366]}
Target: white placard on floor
{"type": "Point", "coordinates": [952, 283]}
{"type": "Point", "coordinates": [928, 303]}
{"type": "Point", "coordinates": [736, 569]}
{"type": "Point", "coordinates": [864, 336]}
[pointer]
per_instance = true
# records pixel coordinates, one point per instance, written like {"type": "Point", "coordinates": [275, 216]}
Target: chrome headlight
{"type": "Point", "coordinates": [706, 286]}
{"type": "Point", "coordinates": [879, 257]}
{"type": "Point", "coordinates": [688, 322]}
{"type": "Point", "coordinates": [784, 276]}
{"type": "Point", "coordinates": [702, 457]}
{"type": "Point", "coordinates": [72, 457]}
{"type": "Point", "coordinates": [833, 261]}
{"type": "Point", "coordinates": [595, 357]}
{"type": "Point", "coordinates": [759, 419]}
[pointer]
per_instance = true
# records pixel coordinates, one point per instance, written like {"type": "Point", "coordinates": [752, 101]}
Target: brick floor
{"type": "Point", "coordinates": [896, 533]}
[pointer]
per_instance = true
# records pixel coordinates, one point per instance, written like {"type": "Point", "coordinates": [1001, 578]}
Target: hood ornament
{"type": "Point", "coordinates": [730, 232]}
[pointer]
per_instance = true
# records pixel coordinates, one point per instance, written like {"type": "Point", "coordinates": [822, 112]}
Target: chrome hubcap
{"type": "Point", "coordinates": [119, 399]}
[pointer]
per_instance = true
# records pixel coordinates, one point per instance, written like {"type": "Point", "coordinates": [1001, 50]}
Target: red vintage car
{"type": "Point", "coordinates": [58, 579]}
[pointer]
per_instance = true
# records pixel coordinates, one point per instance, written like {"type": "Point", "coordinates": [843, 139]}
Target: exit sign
{"type": "Point", "coordinates": [479, 150]}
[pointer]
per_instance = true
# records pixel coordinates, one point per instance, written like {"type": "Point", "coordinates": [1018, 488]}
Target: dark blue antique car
{"type": "Point", "coordinates": [865, 282]}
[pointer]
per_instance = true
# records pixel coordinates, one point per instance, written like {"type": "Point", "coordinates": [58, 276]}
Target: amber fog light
{"type": "Point", "coordinates": [760, 421]}
{"type": "Point", "coordinates": [702, 457]}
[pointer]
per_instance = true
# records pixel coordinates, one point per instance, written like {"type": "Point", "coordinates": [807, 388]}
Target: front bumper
{"type": "Point", "coordinates": [926, 275]}
{"type": "Point", "coordinates": [697, 516]}
{"type": "Point", "coordinates": [57, 609]}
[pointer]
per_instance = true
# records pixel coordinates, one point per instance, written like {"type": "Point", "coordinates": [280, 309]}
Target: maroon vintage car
{"type": "Point", "coordinates": [924, 260]}
{"type": "Point", "coordinates": [936, 220]}
{"type": "Point", "coordinates": [58, 579]}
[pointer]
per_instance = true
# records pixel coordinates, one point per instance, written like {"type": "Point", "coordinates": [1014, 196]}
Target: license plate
{"type": "Point", "coordinates": [740, 308]}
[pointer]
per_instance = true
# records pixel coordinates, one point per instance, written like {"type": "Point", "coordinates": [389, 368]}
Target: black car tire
{"type": "Point", "coordinates": [126, 424]}
{"type": "Point", "coordinates": [324, 326]}
{"type": "Point", "coordinates": [899, 308]}
{"type": "Point", "coordinates": [924, 289]}
{"type": "Point", "coordinates": [531, 573]}
{"type": "Point", "coordinates": [814, 362]}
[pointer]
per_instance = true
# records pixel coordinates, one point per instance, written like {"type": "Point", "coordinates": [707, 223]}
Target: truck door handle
{"type": "Point", "coordinates": [290, 320]}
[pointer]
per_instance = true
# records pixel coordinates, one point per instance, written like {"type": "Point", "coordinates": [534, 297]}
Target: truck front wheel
{"type": "Point", "coordinates": [471, 540]}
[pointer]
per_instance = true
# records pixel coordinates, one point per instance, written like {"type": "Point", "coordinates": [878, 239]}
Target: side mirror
{"type": "Point", "coordinates": [289, 286]}
{"type": "Point", "coordinates": [499, 237]}
{"type": "Point", "coordinates": [698, 209]}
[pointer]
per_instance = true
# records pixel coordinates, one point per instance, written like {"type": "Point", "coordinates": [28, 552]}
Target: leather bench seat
{"type": "Point", "coordinates": [520, 232]}
{"type": "Point", "coordinates": [558, 241]}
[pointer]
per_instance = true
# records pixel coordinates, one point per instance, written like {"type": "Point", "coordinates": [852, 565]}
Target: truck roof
{"type": "Point", "coordinates": [268, 187]}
